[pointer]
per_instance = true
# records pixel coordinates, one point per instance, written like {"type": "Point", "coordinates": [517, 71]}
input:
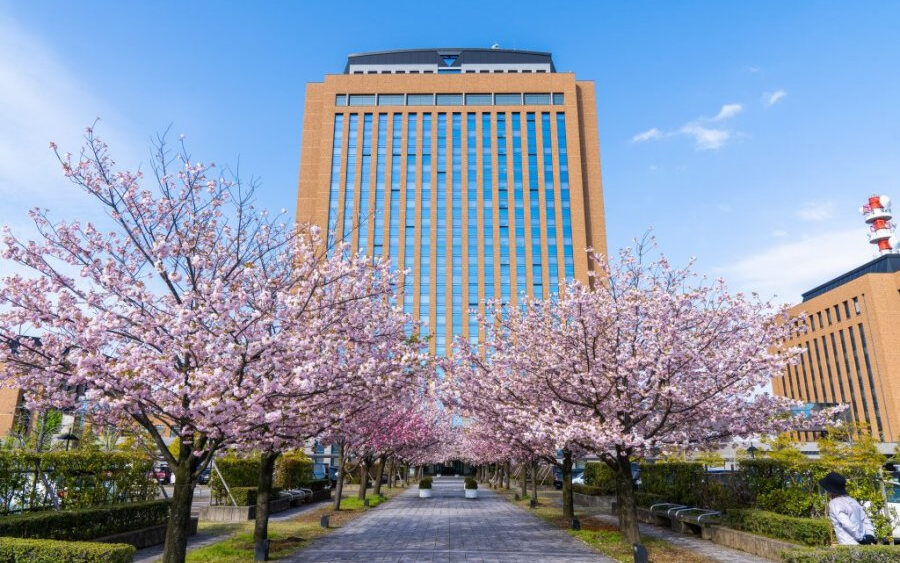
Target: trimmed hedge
{"type": "Point", "coordinates": [841, 554]}
{"type": "Point", "coordinates": [77, 479]}
{"type": "Point", "coordinates": [600, 476]}
{"type": "Point", "coordinates": [807, 531]}
{"type": "Point", "coordinates": [85, 523]}
{"type": "Point", "coordinates": [677, 482]}
{"type": "Point", "coordinates": [425, 483]}
{"type": "Point", "coordinates": [317, 484]}
{"type": "Point", "coordinates": [293, 470]}
{"type": "Point", "coordinates": [471, 483]}
{"type": "Point", "coordinates": [14, 550]}
{"type": "Point", "coordinates": [588, 490]}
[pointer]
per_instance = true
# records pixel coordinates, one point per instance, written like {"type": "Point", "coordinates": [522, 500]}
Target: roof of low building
{"type": "Point", "coordinates": [884, 264]}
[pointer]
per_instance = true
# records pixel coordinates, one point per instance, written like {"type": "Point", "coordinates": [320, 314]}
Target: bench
{"type": "Point", "coordinates": [681, 518]}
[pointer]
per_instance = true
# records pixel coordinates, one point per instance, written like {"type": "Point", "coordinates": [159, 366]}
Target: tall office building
{"type": "Point", "coordinates": [477, 171]}
{"type": "Point", "coordinates": [851, 348]}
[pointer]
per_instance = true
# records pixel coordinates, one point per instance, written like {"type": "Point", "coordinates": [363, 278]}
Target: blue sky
{"type": "Point", "coordinates": [745, 135]}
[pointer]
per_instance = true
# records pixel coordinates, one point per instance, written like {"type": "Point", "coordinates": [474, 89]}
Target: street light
{"type": "Point", "coordinates": [752, 451]}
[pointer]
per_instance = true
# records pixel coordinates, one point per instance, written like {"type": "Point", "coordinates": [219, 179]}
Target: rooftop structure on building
{"type": "Point", "coordinates": [449, 61]}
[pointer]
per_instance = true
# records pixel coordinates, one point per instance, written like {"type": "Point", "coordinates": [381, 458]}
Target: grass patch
{"type": "Point", "coordinates": [285, 537]}
{"type": "Point", "coordinates": [603, 537]}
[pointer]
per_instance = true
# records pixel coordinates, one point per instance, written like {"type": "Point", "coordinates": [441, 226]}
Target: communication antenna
{"type": "Point", "coordinates": [877, 214]}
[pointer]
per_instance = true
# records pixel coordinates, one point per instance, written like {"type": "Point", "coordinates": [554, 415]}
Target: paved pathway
{"type": "Point", "coordinates": [448, 528]}
{"type": "Point", "coordinates": [152, 554]}
{"type": "Point", "coordinates": [693, 544]}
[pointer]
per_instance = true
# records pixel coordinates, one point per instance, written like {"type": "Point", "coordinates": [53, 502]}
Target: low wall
{"type": "Point", "coordinates": [145, 537]}
{"type": "Point", "coordinates": [592, 500]}
{"type": "Point", "coordinates": [227, 513]}
{"type": "Point", "coordinates": [762, 546]}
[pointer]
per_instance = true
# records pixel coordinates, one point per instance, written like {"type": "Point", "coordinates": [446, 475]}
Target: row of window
{"type": "Point", "coordinates": [826, 317]}
{"type": "Point", "coordinates": [354, 210]}
{"type": "Point", "coordinates": [506, 99]}
{"type": "Point", "coordinates": [827, 360]}
{"type": "Point", "coordinates": [453, 71]}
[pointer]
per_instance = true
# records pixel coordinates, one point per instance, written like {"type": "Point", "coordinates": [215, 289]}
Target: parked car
{"type": "Point", "coordinates": [578, 477]}
{"type": "Point", "coordinates": [162, 473]}
{"type": "Point", "coordinates": [203, 478]}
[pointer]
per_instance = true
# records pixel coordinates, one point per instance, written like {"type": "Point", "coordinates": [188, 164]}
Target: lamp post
{"type": "Point", "coordinates": [68, 437]}
{"type": "Point", "coordinates": [752, 451]}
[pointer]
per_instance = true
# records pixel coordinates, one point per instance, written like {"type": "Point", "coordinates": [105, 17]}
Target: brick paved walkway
{"type": "Point", "coordinates": [448, 528]}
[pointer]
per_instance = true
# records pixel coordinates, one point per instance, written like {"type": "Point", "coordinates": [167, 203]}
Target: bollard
{"type": "Point", "coordinates": [365, 502]}
{"type": "Point", "coordinates": [576, 524]}
{"type": "Point", "coordinates": [262, 551]}
{"type": "Point", "coordinates": [517, 497]}
{"type": "Point", "coordinates": [324, 521]}
{"type": "Point", "coordinates": [533, 503]}
{"type": "Point", "coordinates": [640, 553]}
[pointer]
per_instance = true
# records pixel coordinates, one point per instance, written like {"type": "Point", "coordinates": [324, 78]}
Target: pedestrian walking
{"type": "Point", "coordinates": [851, 524]}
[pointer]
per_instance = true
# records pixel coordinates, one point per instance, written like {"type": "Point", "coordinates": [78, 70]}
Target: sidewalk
{"type": "Point", "coordinates": [153, 554]}
{"type": "Point", "coordinates": [448, 528]}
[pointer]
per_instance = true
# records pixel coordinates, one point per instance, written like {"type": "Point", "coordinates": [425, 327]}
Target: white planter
{"type": "Point", "coordinates": [424, 493]}
{"type": "Point", "coordinates": [471, 493]}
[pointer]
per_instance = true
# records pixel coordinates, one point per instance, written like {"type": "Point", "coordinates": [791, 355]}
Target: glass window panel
{"type": "Point", "coordinates": [449, 99]}
{"type": "Point", "coordinates": [340, 100]}
{"type": "Point", "coordinates": [479, 99]}
{"type": "Point", "coordinates": [449, 70]}
{"type": "Point", "coordinates": [390, 99]}
{"type": "Point", "coordinates": [508, 99]}
{"type": "Point", "coordinates": [558, 99]}
{"type": "Point", "coordinates": [420, 99]}
{"type": "Point", "coordinates": [537, 99]}
{"type": "Point", "coordinates": [362, 99]}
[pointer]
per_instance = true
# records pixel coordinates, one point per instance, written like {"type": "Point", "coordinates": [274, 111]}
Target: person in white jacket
{"type": "Point", "coordinates": [851, 523]}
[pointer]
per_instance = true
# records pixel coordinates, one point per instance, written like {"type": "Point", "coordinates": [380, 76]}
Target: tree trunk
{"type": "Point", "coordinates": [175, 547]}
{"type": "Point", "coordinates": [567, 497]}
{"type": "Point", "coordinates": [625, 500]}
{"type": "Point", "coordinates": [379, 473]}
{"type": "Point", "coordinates": [339, 485]}
{"type": "Point", "coordinates": [263, 494]}
{"type": "Point", "coordinates": [392, 470]}
{"type": "Point", "coordinates": [363, 477]}
{"type": "Point", "coordinates": [523, 479]}
{"type": "Point", "coordinates": [508, 471]}
{"type": "Point", "coordinates": [534, 470]}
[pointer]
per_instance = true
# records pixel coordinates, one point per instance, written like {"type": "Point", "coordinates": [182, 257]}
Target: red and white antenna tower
{"type": "Point", "coordinates": [877, 214]}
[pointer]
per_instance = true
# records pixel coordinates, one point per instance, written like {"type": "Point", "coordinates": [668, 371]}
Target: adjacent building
{"type": "Point", "coordinates": [476, 171]}
{"type": "Point", "coordinates": [851, 347]}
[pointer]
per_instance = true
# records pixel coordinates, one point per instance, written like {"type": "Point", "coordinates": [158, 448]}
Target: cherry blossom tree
{"type": "Point", "coordinates": [644, 358]}
{"type": "Point", "coordinates": [192, 312]}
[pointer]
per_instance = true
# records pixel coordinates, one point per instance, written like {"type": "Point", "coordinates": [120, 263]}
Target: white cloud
{"type": "Point", "coordinates": [772, 98]}
{"type": "Point", "coordinates": [704, 137]}
{"type": "Point", "coordinates": [728, 111]}
{"type": "Point", "coordinates": [816, 211]}
{"type": "Point", "coordinates": [648, 135]}
{"type": "Point", "coordinates": [788, 269]}
{"type": "Point", "coordinates": [778, 233]}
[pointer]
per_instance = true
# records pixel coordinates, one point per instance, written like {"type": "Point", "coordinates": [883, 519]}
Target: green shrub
{"type": "Point", "coordinates": [471, 483]}
{"type": "Point", "coordinates": [647, 499]}
{"type": "Point", "coordinates": [14, 550]}
{"type": "Point", "coordinates": [841, 554]}
{"type": "Point", "coordinates": [85, 523]}
{"type": "Point", "coordinates": [425, 483]}
{"type": "Point", "coordinates": [588, 490]}
{"type": "Point", "coordinates": [807, 531]}
{"type": "Point", "coordinates": [292, 470]}
{"type": "Point", "coordinates": [317, 484]}
{"type": "Point", "coordinates": [77, 479]}
{"type": "Point", "coordinates": [238, 472]}
{"type": "Point", "coordinates": [678, 482]}
{"type": "Point", "coordinates": [599, 475]}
